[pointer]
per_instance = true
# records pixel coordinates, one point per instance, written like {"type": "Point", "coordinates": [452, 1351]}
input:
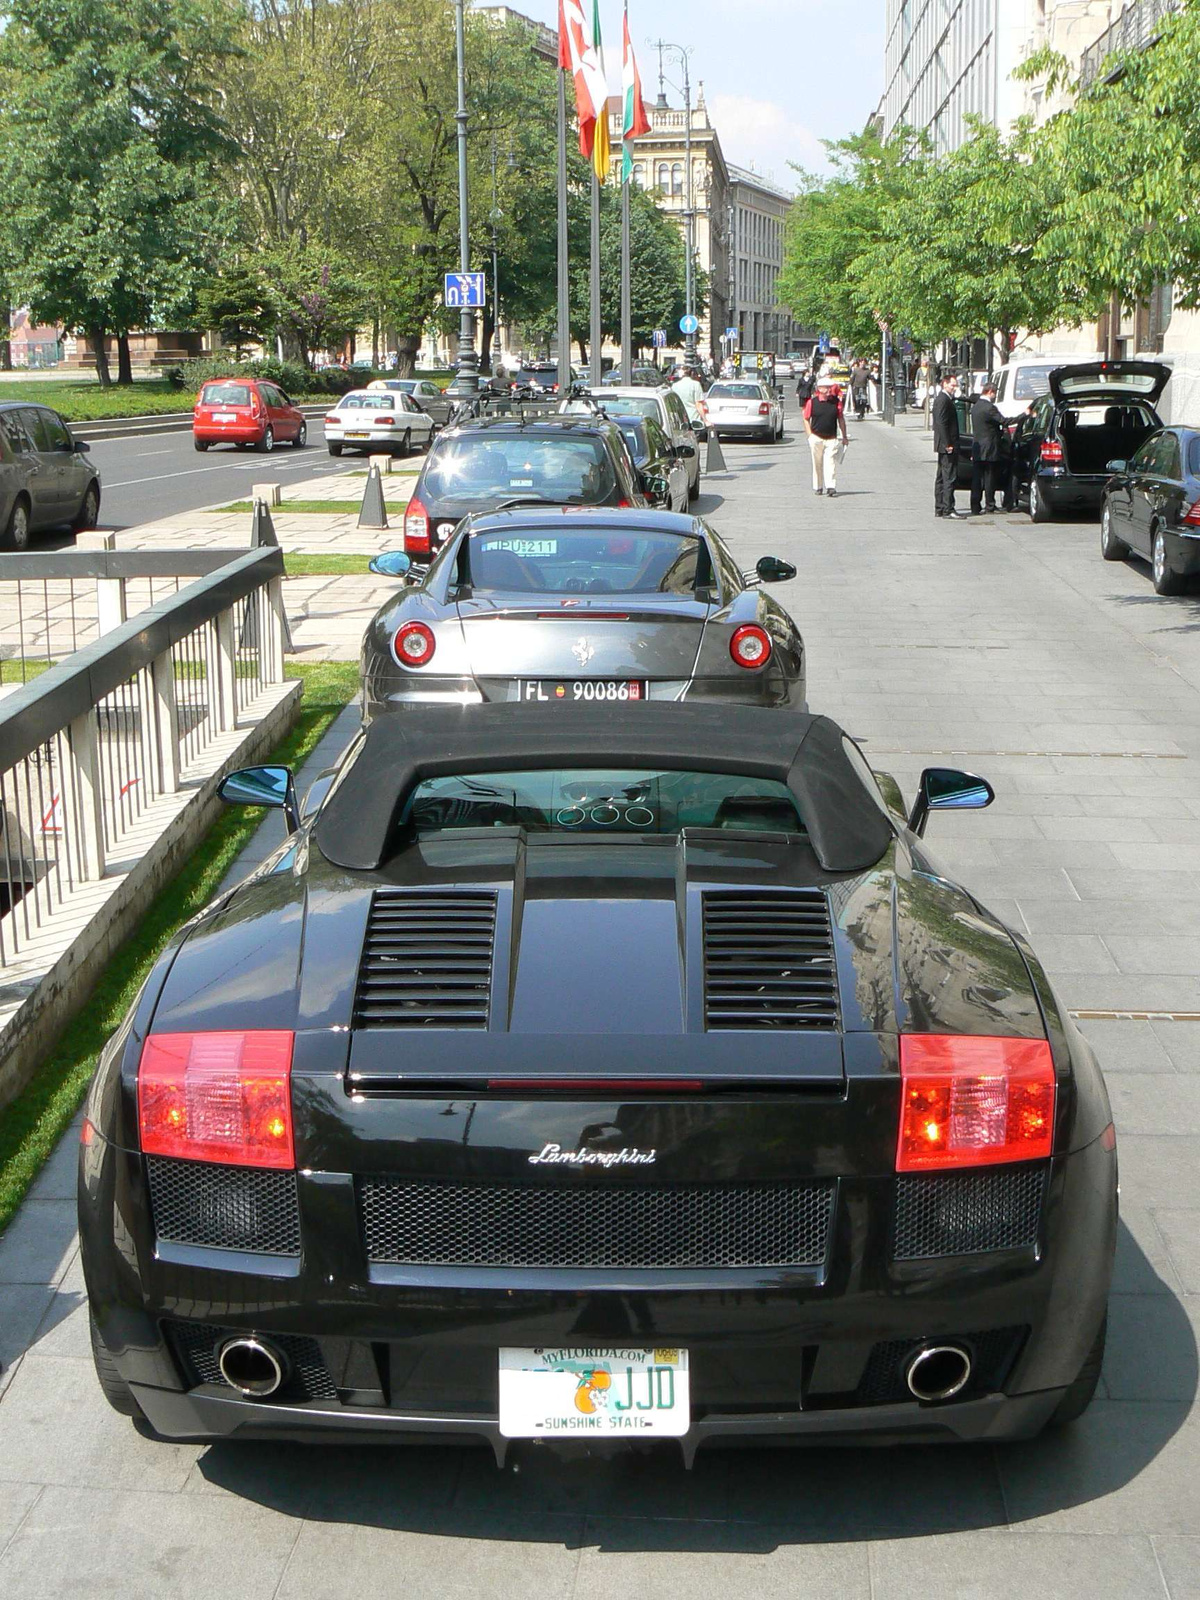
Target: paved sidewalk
{"type": "Point", "coordinates": [994, 644]}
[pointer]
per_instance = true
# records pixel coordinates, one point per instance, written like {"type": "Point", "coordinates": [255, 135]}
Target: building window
{"type": "Point", "coordinates": [677, 178]}
{"type": "Point", "coordinates": [639, 174]}
{"type": "Point", "coordinates": [664, 178]}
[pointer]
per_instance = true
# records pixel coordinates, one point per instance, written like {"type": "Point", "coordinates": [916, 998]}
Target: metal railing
{"type": "Point", "coordinates": [1135, 29]}
{"type": "Point", "coordinates": [93, 744]}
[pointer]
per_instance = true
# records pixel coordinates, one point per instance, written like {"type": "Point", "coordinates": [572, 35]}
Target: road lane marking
{"type": "Point", "coordinates": [138, 455]}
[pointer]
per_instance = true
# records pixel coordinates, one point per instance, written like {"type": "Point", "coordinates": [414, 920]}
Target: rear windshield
{"type": "Point", "coordinates": [624, 405]}
{"type": "Point", "coordinates": [1128, 382]}
{"type": "Point", "coordinates": [225, 394]}
{"type": "Point", "coordinates": [483, 470]}
{"type": "Point", "coordinates": [1031, 383]}
{"type": "Point", "coordinates": [1194, 457]}
{"type": "Point", "coordinates": [634, 434]}
{"type": "Point", "coordinates": [578, 561]}
{"type": "Point", "coordinates": [583, 800]}
{"type": "Point", "coordinates": [376, 400]}
{"type": "Point", "coordinates": [735, 391]}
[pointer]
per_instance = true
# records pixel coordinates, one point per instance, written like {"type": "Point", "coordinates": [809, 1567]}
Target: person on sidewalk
{"type": "Point", "coordinates": [945, 445]}
{"type": "Point", "coordinates": [824, 417]}
{"type": "Point", "coordinates": [860, 389]}
{"type": "Point", "coordinates": [987, 456]}
{"type": "Point", "coordinates": [804, 388]}
{"type": "Point", "coordinates": [691, 392]}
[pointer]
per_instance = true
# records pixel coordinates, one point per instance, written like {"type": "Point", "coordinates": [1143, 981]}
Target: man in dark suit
{"type": "Point", "coordinates": [990, 434]}
{"type": "Point", "coordinates": [945, 444]}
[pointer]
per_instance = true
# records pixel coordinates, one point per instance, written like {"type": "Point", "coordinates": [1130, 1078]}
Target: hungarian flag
{"type": "Point", "coordinates": [581, 54]}
{"type": "Point", "coordinates": [636, 121]}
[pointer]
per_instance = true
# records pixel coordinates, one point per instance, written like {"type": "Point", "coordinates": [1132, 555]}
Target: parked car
{"type": "Point", "coordinates": [581, 605]}
{"type": "Point", "coordinates": [664, 405]}
{"type": "Point", "coordinates": [46, 478]}
{"type": "Point", "coordinates": [490, 463]}
{"type": "Point", "coordinates": [664, 474]}
{"type": "Point", "coordinates": [1091, 415]}
{"type": "Point", "coordinates": [428, 396]}
{"type": "Point", "coordinates": [743, 408]}
{"type": "Point", "coordinates": [1026, 378]}
{"type": "Point", "coordinates": [377, 422]}
{"type": "Point", "coordinates": [643, 378]}
{"type": "Point", "coordinates": [246, 412]}
{"type": "Point", "coordinates": [599, 1072]}
{"type": "Point", "coordinates": [1152, 508]}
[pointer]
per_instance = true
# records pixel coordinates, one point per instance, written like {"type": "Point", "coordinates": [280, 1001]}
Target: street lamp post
{"type": "Point", "coordinates": [495, 218]}
{"type": "Point", "coordinates": [468, 359]}
{"type": "Point", "coordinates": [689, 214]}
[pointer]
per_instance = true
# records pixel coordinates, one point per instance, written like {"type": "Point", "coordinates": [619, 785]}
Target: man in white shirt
{"type": "Point", "coordinates": [690, 392]}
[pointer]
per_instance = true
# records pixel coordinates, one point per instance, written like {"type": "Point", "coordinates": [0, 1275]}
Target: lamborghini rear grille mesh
{"type": "Point", "coordinates": [958, 1214]}
{"type": "Point", "coordinates": [491, 1225]}
{"type": "Point", "coordinates": [224, 1208]}
{"type": "Point", "coordinates": [768, 960]}
{"type": "Point", "coordinates": [427, 961]}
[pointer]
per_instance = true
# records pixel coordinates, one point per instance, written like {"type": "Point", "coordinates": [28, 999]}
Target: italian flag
{"type": "Point", "coordinates": [581, 53]}
{"type": "Point", "coordinates": [636, 122]}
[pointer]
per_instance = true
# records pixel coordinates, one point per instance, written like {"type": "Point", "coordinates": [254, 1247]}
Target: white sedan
{"type": "Point", "coordinates": [377, 421]}
{"type": "Point", "coordinates": [744, 408]}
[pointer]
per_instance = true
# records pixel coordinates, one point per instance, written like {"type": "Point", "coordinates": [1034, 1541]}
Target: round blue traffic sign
{"type": "Point", "coordinates": [689, 324]}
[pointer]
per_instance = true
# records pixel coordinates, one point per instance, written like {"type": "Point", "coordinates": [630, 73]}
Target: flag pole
{"type": "Point", "coordinates": [594, 336]}
{"type": "Point", "coordinates": [626, 291]}
{"type": "Point", "coordinates": [564, 280]}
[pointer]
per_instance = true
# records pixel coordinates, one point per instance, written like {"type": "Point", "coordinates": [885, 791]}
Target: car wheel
{"type": "Point", "coordinates": [1165, 581]}
{"type": "Point", "coordinates": [1111, 548]}
{"type": "Point", "coordinates": [1039, 511]}
{"type": "Point", "coordinates": [334, 449]}
{"type": "Point", "coordinates": [89, 512]}
{"type": "Point", "coordinates": [116, 1391]}
{"type": "Point", "coordinates": [200, 444]}
{"type": "Point", "coordinates": [16, 535]}
{"type": "Point", "coordinates": [267, 443]}
{"type": "Point", "coordinates": [301, 438]}
{"type": "Point", "coordinates": [1078, 1397]}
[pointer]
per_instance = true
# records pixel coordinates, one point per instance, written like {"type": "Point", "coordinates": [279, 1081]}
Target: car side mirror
{"type": "Point", "coordinates": [656, 486]}
{"type": "Point", "coordinates": [391, 564]}
{"type": "Point", "coordinates": [273, 787]}
{"type": "Point", "coordinates": [1115, 466]}
{"type": "Point", "coordinates": [947, 789]}
{"type": "Point", "coordinates": [770, 569]}
{"type": "Point", "coordinates": [685, 452]}
{"type": "Point", "coordinates": [74, 444]}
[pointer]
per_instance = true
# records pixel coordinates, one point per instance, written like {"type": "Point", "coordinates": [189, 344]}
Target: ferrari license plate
{"type": "Point", "coordinates": [575, 690]}
{"type": "Point", "coordinates": [595, 1393]}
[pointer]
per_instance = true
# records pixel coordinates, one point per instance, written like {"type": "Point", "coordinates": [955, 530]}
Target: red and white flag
{"type": "Point", "coordinates": [579, 53]}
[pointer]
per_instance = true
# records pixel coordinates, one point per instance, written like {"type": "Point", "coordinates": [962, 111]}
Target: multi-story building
{"type": "Point", "coordinates": [758, 211]}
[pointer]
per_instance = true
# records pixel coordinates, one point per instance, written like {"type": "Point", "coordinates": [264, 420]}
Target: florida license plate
{"type": "Point", "coordinates": [576, 690]}
{"type": "Point", "coordinates": [593, 1393]}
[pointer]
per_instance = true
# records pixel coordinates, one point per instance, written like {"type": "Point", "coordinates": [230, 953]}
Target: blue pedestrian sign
{"type": "Point", "coordinates": [689, 324]}
{"type": "Point", "coordinates": [660, 338]}
{"type": "Point", "coordinates": [731, 333]}
{"type": "Point", "coordinates": [823, 346]}
{"type": "Point", "coordinates": [464, 290]}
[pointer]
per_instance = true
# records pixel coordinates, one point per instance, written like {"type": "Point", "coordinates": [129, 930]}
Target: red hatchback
{"type": "Point", "coordinates": [246, 411]}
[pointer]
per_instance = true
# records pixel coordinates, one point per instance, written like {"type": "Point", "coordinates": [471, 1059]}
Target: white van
{"type": "Point", "coordinates": [1028, 378]}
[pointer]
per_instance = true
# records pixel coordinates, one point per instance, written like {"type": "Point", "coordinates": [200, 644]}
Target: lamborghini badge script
{"type": "Point", "coordinates": [582, 651]}
{"type": "Point", "coordinates": [555, 1155]}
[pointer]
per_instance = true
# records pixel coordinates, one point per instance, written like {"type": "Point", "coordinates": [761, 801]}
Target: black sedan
{"type": "Point", "coordinates": [1152, 508]}
{"type": "Point", "coordinates": [1064, 442]}
{"type": "Point", "coordinates": [588, 1076]}
{"type": "Point", "coordinates": [664, 474]}
{"type": "Point", "coordinates": [565, 606]}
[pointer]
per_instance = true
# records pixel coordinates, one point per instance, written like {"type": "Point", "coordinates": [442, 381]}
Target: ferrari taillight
{"type": "Point", "coordinates": [750, 646]}
{"type": "Point", "coordinates": [1052, 452]}
{"type": "Point", "coordinates": [973, 1101]}
{"type": "Point", "coordinates": [223, 1097]}
{"type": "Point", "coordinates": [416, 529]}
{"type": "Point", "coordinates": [414, 644]}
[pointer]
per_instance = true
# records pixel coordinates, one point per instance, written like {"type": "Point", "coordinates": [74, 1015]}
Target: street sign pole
{"type": "Point", "coordinates": [594, 335]}
{"type": "Point", "coordinates": [626, 287]}
{"type": "Point", "coordinates": [468, 359]}
{"type": "Point", "coordinates": [564, 282]}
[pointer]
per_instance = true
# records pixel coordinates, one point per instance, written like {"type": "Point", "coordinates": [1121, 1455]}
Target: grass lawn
{"type": "Point", "coordinates": [85, 401]}
{"type": "Point", "coordinates": [311, 566]}
{"type": "Point", "coordinates": [33, 1124]}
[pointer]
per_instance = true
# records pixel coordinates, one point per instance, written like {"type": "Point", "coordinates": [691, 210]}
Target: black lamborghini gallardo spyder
{"type": "Point", "coordinates": [589, 1073]}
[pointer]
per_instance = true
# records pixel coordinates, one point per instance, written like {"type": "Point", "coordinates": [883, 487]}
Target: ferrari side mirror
{"type": "Point", "coordinates": [770, 569]}
{"type": "Point", "coordinates": [391, 564]}
{"type": "Point", "coordinates": [946, 789]}
{"type": "Point", "coordinates": [262, 786]}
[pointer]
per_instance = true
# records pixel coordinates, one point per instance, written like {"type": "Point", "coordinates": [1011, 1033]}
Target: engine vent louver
{"type": "Point", "coordinates": [768, 960]}
{"type": "Point", "coordinates": [427, 961]}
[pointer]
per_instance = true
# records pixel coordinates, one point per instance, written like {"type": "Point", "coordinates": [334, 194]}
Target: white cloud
{"type": "Point", "coordinates": [763, 135]}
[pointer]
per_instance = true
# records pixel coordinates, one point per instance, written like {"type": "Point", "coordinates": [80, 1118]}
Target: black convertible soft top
{"type": "Point", "coordinates": [846, 822]}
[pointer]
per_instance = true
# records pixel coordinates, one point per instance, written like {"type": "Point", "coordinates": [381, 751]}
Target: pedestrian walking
{"type": "Point", "coordinates": [804, 388]}
{"type": "Point", "coordinates": [945, 445]}
{"type": "Point", "coordinates": [691, 392]}
{"type": "Point", "coordinates": [824, 418]}
{"type": "Point", "coordinates": [990, 434]}
{"type": "Point", "coordinates": [860, 389]}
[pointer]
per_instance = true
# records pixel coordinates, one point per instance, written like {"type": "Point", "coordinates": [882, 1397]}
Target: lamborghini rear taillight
{"type": "Point", "coordinates": [1052, 452]}
{"type": "Point", "coordinates": [223, 1097]}
{"type": "Point", "coordinates": [416, 529]}
{"type": "Point", "coordinates": [971, 1101]}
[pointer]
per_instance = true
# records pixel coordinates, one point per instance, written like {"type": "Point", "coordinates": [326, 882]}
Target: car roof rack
{"type": "Point", "coordinates": [509, 407]}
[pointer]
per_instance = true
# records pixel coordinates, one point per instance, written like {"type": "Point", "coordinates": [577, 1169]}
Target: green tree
{"type": "Point", "coordinates": [110, 145]}
{"type": "Point", "coordinates": [238, 304]}
{"type": "Point", "coordinates": [318, 299]}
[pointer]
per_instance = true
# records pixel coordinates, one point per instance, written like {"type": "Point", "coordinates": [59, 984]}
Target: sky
{"type": "Point", "coordinates": [779, 75]}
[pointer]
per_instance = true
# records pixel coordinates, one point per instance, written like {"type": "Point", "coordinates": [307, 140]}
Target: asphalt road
{"type": "Point", "coordinates": [162, 474]}
{"type": "Point", "coordinates": [994, 644]}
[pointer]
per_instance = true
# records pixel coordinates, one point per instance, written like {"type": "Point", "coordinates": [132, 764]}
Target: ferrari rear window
{"type": "Point", "coordinates": [225, 394]}
{"type": "Point", "coordinates": [578, 561]}
{"type": "Point", "coordinates": [582, 800]}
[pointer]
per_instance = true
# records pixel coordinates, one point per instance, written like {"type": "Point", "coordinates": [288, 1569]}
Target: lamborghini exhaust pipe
{"type": "Point", "coordinates": [254, 1367]}
{"type": "Point", "coordinates": [938, 1372]}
